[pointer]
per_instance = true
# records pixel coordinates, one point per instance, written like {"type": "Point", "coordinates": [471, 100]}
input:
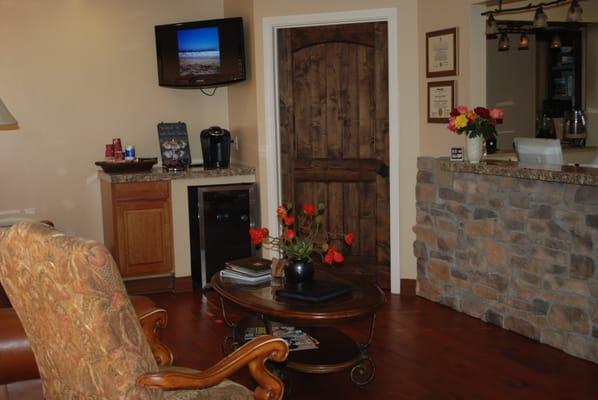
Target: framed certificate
{"type": "Point", "coordinates": [441, 53]}
{"type": "Point", "coordinates": [441, 101]}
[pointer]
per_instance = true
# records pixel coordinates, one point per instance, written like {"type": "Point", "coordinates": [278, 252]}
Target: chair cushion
{"type": "Point", "coordinates": [225, 390]}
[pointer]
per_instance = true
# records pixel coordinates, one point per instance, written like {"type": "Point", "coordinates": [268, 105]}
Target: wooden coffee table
{"type": "Point", "coordinates": [336, 350]}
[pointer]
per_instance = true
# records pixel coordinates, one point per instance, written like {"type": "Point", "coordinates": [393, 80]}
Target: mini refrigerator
{"type": "Point", "coordinates": [219, 222]}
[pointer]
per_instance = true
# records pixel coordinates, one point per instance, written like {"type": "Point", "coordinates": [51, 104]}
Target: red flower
{"type": "Point", "coordinates": [455, 113]}
{"type": "Point", "coordinates": [289, 234]}
{"type": "Point", "coordinates": [329, 257]}
{"type": "Point", "coordinates": [309, 209]}
{"type": "Point", "coordinates": [281, 211]}
{"type": "Point", "coordinates": [333, 256]}
{"type": "Point", "coordinates": [349, 238]}
{"type": "Point", "coordinates": [288, 220]}
{"type": "Point", "coordinates": [482, 112]}
{"type": "Point", "coordinates": [258, 235]}
{"type": "Point", "coordinates": [452, 127]}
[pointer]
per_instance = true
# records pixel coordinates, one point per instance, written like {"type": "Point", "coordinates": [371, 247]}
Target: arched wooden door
{"type": "Point", "coordinates": [333, 99]}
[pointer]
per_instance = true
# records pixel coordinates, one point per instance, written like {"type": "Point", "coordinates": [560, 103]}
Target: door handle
{"type": "Point", "coordinates": [382, 170]}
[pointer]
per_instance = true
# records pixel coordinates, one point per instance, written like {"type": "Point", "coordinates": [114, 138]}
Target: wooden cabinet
{"type": "Point", "coordinates": [138, 227]}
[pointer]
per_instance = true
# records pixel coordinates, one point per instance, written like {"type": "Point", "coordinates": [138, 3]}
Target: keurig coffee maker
{"type": "Point", "coordinates": [215, 146]}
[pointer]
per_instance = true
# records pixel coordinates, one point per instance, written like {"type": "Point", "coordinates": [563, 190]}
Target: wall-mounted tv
{"type": "Point", "coordinates": [201, 54]}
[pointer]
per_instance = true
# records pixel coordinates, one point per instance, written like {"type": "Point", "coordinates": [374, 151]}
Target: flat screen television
{"type": "Point", "coordinates": [201, 54]}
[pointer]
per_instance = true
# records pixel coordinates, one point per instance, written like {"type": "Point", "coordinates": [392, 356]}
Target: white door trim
{"type": "Point", "coordinates": [271, 150]}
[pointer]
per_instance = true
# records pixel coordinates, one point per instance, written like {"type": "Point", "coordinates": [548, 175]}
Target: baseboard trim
{"type": "Point", "coordinates": [183, 284]}
{"type": "Point", "coordinates": [150, 285]}
{"type": "Point", "coordinates": [408, 287]}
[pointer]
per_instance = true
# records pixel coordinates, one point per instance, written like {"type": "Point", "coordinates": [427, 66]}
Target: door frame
{"type": "Point", "coordinates": [271, 150]}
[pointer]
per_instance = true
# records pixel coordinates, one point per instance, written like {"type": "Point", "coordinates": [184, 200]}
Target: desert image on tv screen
{"type": "Point", "coordinates": [199, 51]}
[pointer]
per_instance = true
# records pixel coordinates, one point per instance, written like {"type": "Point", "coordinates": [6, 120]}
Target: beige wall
{"type": "Point", "coordinates": [408, 100]}
{"type": "Point", "coordinates": [75, 74]}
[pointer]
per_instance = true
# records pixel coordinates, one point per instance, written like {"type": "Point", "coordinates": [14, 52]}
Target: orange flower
{"type": "Point", "coordinates": [309, 209]}
{"type": "Point", "coordinates": [349, 238]}
{"type": "Point", "coordinates": [281, 211]}
{"type": "Point", "coordinates": [471, 115]}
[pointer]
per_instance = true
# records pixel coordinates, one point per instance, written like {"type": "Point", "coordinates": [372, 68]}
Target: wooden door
{"type": "Point", "coordinates": [333, 106]}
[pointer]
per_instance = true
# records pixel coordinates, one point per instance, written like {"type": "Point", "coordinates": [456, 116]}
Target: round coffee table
{"type": "Point", "coordinates": [336, 351]}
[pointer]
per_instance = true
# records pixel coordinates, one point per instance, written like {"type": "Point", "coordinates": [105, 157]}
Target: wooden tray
{"type": "Point", "coordinates": [139, 165]}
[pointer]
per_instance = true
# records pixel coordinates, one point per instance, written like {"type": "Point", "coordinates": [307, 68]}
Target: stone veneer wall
{"type": "Point", "coordinates": [521, 254]}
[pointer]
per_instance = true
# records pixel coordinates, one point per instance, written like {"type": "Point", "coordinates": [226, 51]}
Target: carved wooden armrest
{"type": "Point", "coordinates": [254, 354]}
{"type": "Point", "coordinates": [152, 319]}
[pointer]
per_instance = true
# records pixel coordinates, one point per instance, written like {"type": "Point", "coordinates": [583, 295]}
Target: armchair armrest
{"type": "Point", "coordinates": [17, 362]}
{"type": "Point", "coordinates": [253, 354]}
{"type": "Point", "coordinates": [152, 319]}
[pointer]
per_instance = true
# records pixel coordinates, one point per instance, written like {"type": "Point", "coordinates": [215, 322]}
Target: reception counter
{"type": "Point", "coordinates": [514, 245]}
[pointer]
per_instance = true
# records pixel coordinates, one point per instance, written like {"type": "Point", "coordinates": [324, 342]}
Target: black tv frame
{"type": "Point", "coordinates": [209, 80]}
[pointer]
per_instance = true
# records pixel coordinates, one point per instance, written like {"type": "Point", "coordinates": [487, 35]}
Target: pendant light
{"type": "Point", "coordinates": [575, 12]}
{"type": "Point", "coordinates": [504, 43]}
{"type": "Point", "coordinates": [491, 25]}
{"type": "Point", "coordinates": [555, 43]}
{"type": "Point", "coordinates": [540, 19]}
{"type": "Point", "coordinates": [523, 42]}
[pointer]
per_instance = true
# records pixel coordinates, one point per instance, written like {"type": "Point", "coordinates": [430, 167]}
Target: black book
{"type": "Point", "coordinates": [315, 291]}
{"type": "Point", "coordinates": [253, 266]}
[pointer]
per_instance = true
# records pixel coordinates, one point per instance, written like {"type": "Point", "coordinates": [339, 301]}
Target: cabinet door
{"type": "Point", "coordinates": [145, 238]}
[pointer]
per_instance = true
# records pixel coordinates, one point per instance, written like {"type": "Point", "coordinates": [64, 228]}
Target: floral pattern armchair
{"type": "Point", "coordinates": [86, 337]}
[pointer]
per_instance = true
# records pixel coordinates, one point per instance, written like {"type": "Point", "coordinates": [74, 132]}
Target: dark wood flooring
{"type": "Point", "coordinates": [422, 350]}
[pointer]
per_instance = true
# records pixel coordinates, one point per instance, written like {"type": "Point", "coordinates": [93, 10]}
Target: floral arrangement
{"type": "Point", "coordinates": [302, 235]}
{"type": "Point", "coordinates": [477, 122]}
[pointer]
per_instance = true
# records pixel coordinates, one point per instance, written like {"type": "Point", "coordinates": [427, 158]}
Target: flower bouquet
{"type": "Point", "coordinates": [478, 125]}
{"type": "Point", "coordinates": [301, 236]}
{"type": "Point", "coordinates": [477, 122]}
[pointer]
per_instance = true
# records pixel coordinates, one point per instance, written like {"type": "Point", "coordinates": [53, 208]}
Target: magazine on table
{"type": "Point", "coordinates": [243, 278]}
{"type": "Point", "coordinates": [296, 338]}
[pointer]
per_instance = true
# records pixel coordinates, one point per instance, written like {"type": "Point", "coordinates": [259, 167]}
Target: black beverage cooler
{"type": "Point", "coordinates": [219, 222]}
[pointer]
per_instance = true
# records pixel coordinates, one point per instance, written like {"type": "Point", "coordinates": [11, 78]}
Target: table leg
{"type": "Point", "coordinates": [364, 371]}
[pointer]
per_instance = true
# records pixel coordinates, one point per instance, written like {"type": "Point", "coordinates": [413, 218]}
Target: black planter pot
{"type": "Point", "coordinates": [299, 270]}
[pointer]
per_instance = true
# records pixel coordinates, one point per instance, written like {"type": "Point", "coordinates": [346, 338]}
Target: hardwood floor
{"type": "Point", "coordinates": [422, 350]}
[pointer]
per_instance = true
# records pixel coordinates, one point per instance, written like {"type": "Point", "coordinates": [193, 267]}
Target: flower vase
{"type": "Point", "coordinates": [475, 148]}
{"type": "Point", "coordinates": [298, 270]}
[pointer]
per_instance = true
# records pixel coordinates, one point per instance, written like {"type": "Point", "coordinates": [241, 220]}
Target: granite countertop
{"type": "Point", "coordinates": [550, 173]}
{"type": "Point", "coordinates": [158, 174]}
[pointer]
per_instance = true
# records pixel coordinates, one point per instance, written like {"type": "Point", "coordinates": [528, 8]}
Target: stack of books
{"type": "Point", "coordinates": [296, 338]}
{"type": "Point", "coordinates": [251, 270]}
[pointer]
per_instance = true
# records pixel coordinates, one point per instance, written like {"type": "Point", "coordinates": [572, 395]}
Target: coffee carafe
{"type": "Point", "coordinates": [215, 147]}
{"type": "Point", "coordinates": [575, 126]}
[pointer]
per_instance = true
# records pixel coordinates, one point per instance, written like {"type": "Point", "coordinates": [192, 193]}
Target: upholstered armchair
{"type": "Point", "coordinates": [86, 338]}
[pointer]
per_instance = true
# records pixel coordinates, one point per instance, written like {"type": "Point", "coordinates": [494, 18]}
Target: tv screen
{"type": "Point", "coordinates": [199, 54]}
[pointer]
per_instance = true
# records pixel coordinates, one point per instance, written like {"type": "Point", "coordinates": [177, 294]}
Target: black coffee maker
{"type": "Point", "coordinates": [215, 147]}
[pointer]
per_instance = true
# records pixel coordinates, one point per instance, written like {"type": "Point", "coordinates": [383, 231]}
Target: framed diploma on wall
{"type": "Point", "coordinates": [441, 53]}
{"type": "Point", "coordinates": [441, 101]}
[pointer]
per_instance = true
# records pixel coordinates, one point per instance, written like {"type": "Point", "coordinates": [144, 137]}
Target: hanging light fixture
{"type": "Point", "coordinates": [575, 12]}
{"type": "Point", "coordinates": [555, 43]}
{"type": "Point", "coordinates": [540, 19]}
{"type": "Point", "coordinates": [523, 42]}
{"type": "Point", "coordinates": [491, 25]}
{"type": "Point", "coordinates": [504, 43]}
